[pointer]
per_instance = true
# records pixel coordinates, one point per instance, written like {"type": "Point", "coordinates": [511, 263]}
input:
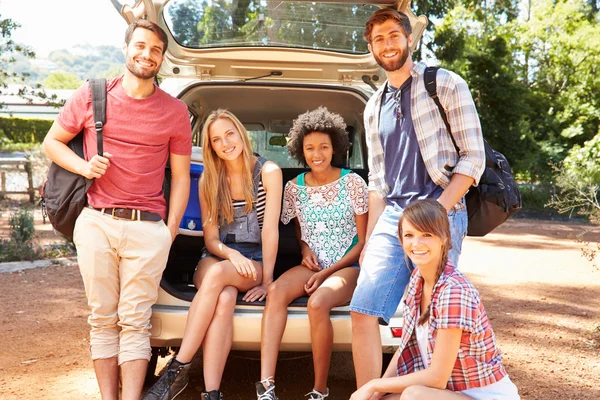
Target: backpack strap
{"type": "Point", "coordinates": [98, 87]}
{"type": "Point", "coordinates": [430, 78]}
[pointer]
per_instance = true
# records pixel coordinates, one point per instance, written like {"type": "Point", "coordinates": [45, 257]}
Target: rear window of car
{"type": "Point", "coordinates": [266, 23]}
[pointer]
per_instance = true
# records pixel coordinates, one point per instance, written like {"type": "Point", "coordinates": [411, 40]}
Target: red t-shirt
{"type": "Point", "coordinates": [140, 134]}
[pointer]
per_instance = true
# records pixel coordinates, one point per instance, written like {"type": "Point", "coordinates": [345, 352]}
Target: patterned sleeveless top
{"type": "Point", "coordinates": [327, 214]}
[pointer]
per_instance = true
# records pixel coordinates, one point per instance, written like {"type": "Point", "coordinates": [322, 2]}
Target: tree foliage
{"type": "Point", "coordinates": [533, 74]}
{"type": "Point", "coordinates": [62, 80]}
{"type": "Point", "coordinates": [10, 52]}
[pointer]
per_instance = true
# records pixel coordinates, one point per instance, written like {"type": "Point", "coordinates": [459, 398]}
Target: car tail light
{"type": "Point", "coordinates": [396, 332]}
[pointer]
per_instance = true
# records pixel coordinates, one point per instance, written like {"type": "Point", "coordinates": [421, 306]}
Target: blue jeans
{"type": "Point", "coordinates": [385, 271]}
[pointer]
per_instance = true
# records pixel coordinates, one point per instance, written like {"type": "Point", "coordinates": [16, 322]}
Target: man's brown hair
{"type": "Point", "coordinates": [382, 15]}
{"type": "Point", "coordinates": [152, 27]}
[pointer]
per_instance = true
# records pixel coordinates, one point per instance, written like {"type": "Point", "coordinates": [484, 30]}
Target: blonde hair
{"type": "Point", "coordinates": [215, 185]}
{"type": "Point", "coordinates": [430, 216]}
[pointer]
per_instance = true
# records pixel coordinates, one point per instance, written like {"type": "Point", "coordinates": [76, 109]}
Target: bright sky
{"type": "Point", "coordinates": [48, 25]}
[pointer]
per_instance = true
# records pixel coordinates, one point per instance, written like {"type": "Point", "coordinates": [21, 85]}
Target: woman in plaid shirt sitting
{"type": "Point", "coordinates": [448, 349]}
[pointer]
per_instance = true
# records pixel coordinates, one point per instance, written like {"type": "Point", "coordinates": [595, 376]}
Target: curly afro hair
{"type": "Point", "coordinates": [323, 121]}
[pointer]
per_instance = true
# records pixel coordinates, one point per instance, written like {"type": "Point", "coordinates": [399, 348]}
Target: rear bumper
{"type": "Point", "coordinates": [169, 318]}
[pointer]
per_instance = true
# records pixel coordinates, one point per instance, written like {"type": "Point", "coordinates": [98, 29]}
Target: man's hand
{"type": "Point", "coordinates": [310, 260]}
{"type": "Point", "coordinates": [242, 265]}
{"type": "Point", "coordinates": [257, 293]}
{"type": "Point", "coordinates": [97, 166]}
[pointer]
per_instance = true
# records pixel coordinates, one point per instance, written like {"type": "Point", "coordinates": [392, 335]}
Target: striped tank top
{"type": "Point", "coordinates": [259, 190]}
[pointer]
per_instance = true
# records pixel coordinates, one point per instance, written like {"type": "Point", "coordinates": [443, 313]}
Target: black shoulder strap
{"type": "Point", "coordinates": [430, 78]}
{"type": "Point", "coordinates": [98, 87]}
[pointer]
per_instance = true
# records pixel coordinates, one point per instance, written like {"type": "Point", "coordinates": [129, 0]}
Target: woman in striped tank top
{"type": "Point", "coordinates": [240, 194]}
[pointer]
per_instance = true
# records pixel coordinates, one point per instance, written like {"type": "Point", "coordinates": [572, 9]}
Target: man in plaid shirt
{"type": "Point", "coordinates": [411, 157]}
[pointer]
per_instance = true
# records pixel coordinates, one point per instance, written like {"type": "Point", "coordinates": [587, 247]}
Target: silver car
{"type": "Point", "coordinates": [266, 61]}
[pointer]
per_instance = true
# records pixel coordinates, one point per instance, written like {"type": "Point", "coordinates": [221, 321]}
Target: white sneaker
{"type": "Point", "coordinates": [316, 395]}
{"type": "Point", "coordinates": [269, 392]}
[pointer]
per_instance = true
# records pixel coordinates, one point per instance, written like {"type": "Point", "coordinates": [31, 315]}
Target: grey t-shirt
{"type": "Point", "coordinates": [405, 171]}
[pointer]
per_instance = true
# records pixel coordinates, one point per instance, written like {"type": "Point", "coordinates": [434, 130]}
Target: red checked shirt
{"type": "Point", "coordinates": [455, 303]}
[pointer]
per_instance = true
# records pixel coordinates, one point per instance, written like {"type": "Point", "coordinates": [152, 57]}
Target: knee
{"type": "Point", "coordinates": [363, 321]}
{"type": "Point", "coordinates": [317, 305]}
{"type": "Point", "coordinates": [413, 393]}
{"type": "Point", "coordinates": [213, 279]}
{"type": "Point", "coordinates": [227, 301]}
{"type": "Point", "coordinates": [276, 293]}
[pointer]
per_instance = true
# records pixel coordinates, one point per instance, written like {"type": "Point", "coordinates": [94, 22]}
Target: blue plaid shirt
{"type": "Point", "coordinates": [438, 152]}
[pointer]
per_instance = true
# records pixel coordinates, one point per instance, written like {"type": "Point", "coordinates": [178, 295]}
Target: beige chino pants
{"type": "Point", "coordinates": [121, 263]}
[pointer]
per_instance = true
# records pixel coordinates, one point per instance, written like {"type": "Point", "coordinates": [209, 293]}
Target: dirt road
{"type": "Point", "coordinates": [542, 297]}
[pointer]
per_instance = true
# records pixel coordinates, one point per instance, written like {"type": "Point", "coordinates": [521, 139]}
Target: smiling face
{"type": "Point", "coordinates": [144, 54]}
{"type": "Point", "coordinates": [225, 139]}
{"type": "Point", "coordinates": [389, 45]}
{"type": "Point", "coordinates": [318, 151]}
{"type": "Point", "coordinates": [423, 248]}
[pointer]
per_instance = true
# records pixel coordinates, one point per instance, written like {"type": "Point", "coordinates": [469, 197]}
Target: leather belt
{"type": "Point", "coordinates": [129, 214]}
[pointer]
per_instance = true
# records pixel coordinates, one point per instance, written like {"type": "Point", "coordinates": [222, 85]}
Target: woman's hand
{"type": "Point", "coordinates": [366, 392]}
{"type": "Point", "coordinates": [242, 265]}
{"type": "Point", "coordinates": [257, 293]}
{"type": "Point", "coordinates": [314, 282]}
{"type": "Point", "coordinates": [310, 260]}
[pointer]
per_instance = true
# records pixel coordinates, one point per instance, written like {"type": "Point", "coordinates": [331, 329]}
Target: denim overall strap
{"type": "Point", "coordinates": [256, 174]}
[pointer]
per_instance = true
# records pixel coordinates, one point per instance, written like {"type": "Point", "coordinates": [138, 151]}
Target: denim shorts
{"type": "Point", "coordinates": [355, 265]}
{"type": "Point", "coordinates": [385, 270]}
{"type": "Point", "coordinates": [251, 251]}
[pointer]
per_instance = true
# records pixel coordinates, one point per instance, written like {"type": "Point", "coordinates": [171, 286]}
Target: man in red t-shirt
{"type": "Point", "coordinates": [121, 238]}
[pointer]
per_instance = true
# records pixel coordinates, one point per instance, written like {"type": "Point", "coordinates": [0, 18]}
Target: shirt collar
{"type": "Point", "coordinates": [418, 69]}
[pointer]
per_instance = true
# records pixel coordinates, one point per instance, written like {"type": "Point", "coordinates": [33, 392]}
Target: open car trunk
{"type": "Point", "coordinates": [267, 111]}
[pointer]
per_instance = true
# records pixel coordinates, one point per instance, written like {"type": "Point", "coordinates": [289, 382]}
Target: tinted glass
{"type": "Point", "coordinates": [266, 23]}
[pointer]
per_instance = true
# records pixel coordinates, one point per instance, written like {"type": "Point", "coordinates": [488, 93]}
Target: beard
{"type": "Point", "coordinates": [393, 64]}
{"type": "Point", "coordinates": [139, 72]}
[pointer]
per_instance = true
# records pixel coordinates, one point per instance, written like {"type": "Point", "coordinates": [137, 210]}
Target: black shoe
{"type": "Point", "coordinates": [266, 394]}
{"type": "Point", "coordinates": [212, 395]}
{"type": "Point", "coordinates": [171, 383]}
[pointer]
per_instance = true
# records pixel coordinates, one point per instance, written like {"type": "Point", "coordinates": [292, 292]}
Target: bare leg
{"type": "Point", "coordinates": [107, 374]}
{"type": "Point", "coordinates": [216, 275]}
{"type": "Point", "coordinates": [336, 290]}
{"type": "Point", "coordinates": [219, 337]}
{"type": "Point", "coordinates": [282, 292]}
{"type": "Point", "coordinates": [427, 393]}
{"type": "Point", "coordinates": [366, 348]}
{"type": "Point", "coordinates": [133, 375]}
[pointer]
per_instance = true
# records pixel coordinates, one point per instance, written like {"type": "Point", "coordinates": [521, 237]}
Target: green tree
{"type": "Point", "coordinates": [9, 51]}
{"type": "Point", "coordinates": [480, 51]}
{"type": "Point", "coordinates": [185, 16]}
{"type": "Point", "coordinates": [113, 72]}
{"type": "Point", "coordinates": [62, 80]}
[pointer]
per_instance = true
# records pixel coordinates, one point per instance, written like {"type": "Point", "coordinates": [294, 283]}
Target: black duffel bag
{"type": "Point", "coordinates": [64, 194]}
{"type": "Point", "coordinates": [496, 197]}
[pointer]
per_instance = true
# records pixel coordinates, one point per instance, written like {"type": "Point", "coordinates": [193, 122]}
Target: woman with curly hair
{"type": "Point", "coordinates": [329, 205]}
{"type": "Point", "coordinates": [448, 349]}
{"type": "Point", "coordinates": [240, 199]}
